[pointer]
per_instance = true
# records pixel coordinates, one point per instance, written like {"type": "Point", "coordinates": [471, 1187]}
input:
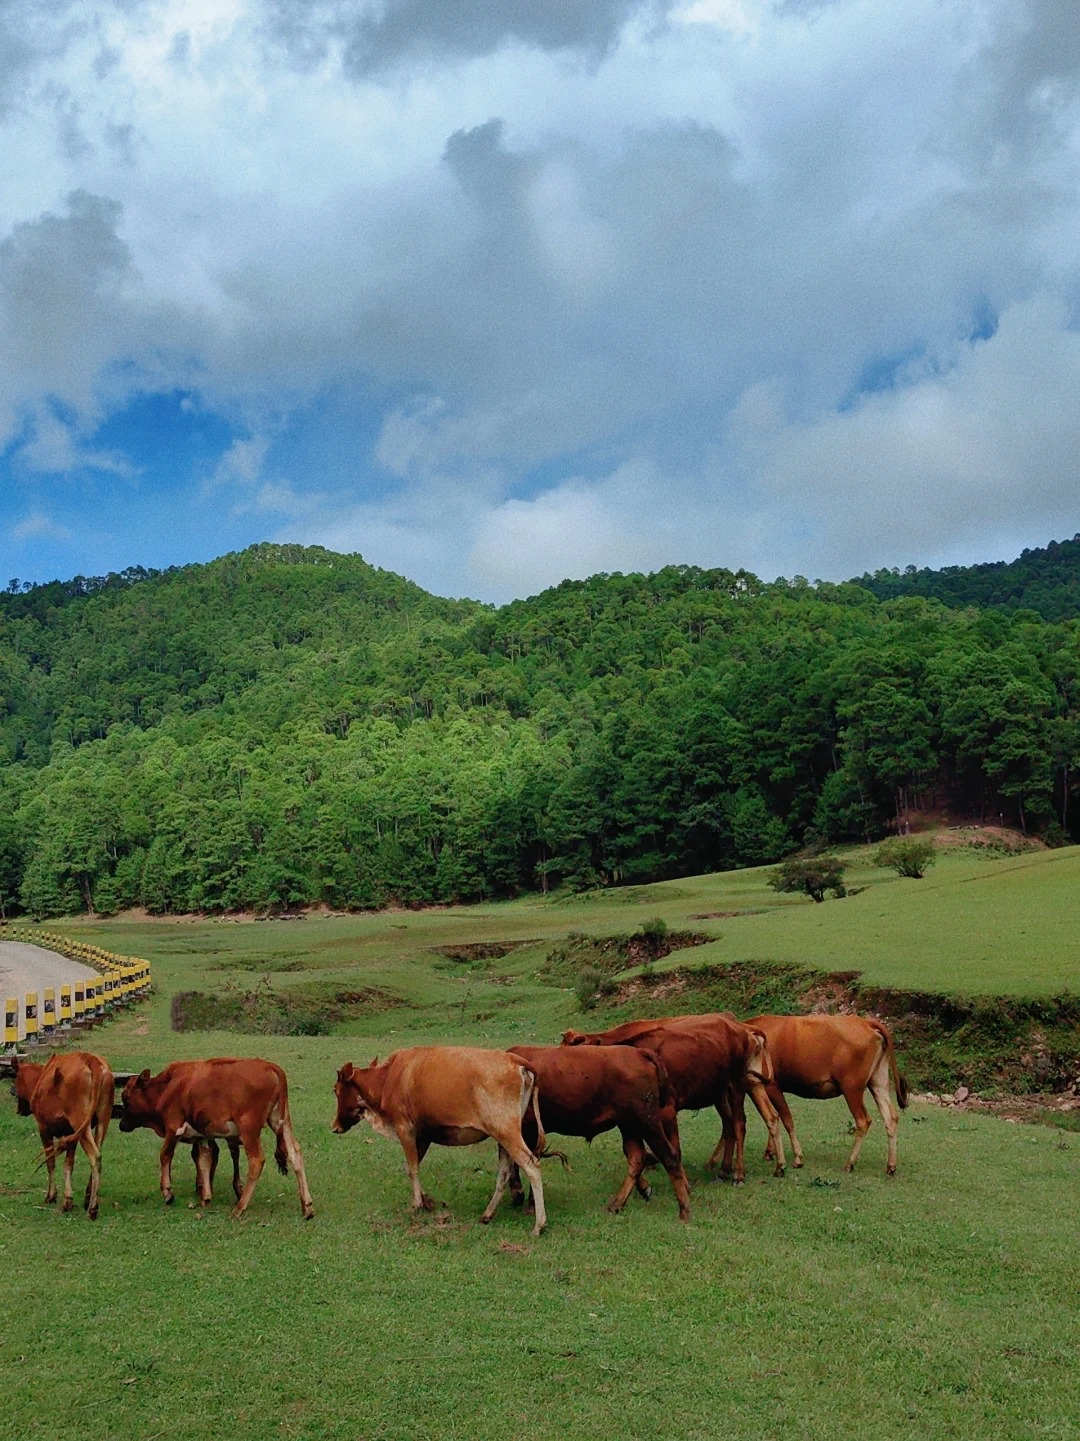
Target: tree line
{"type": "Point", "coordinates": [287, 726]}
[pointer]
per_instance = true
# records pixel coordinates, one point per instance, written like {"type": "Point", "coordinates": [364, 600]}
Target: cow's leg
{"type": "Point", "coordinates": [783, 1110]}
{"type": "Point", "coordinates": [669, 1151]}
{"type": "Point", "coordinates": [879, 1087]}
{"type": "Point", "coordinates": [726, 1143]}
{"type": "Point", "coordinates": [168, 1147]}
{"type": "Point", "coordinates": [205, 1156]}
{"type": "Point", "coordinates": [50, 1167]}
{"type": "Point", "coordinates": [69, 1167]}
{"type": "Point", "coordinates": [760, 1097]}
{"type": "Point", "coordinates": [634, 1151]}
{"type": "Point", "coordinates": [517, 1190]}
{"type": "Point", "coordinates": [252, 1139]}
{"type": "Point", "coordinates": [99, 1129]}
{"type": "Point", "coordinates": [501, 1177]}
{"type": "Point", "coordinates": [287, 1139]}
{"type": "Point", "coordinates": [731, 1108]}
{"type": "Point", "coordinates": [93, 1155]}
{"type": "Point", "coordinates": [415, 1152]}
{"type": "Point", "coordinates": [856, 1105]}
{"type": "Point", "coordinates": [519, 1152]}
{"type": "Point", "coordinates": [234, 1152]}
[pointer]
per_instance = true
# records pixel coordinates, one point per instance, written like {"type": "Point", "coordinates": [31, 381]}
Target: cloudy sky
{"type": "Point", "coordinates": [501, 291]}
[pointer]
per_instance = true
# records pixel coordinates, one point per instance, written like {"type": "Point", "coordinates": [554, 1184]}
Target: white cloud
{"type": "Point", "coordinates": [39, 527]}
{"type": "Point", "coordinates": [600, 287]}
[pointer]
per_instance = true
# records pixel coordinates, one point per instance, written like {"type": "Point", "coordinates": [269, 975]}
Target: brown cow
{"type": "Point", "coordinates": [70, 1097]}
{"type": "Point", "coordinates": [446, 1096]}
{"type": "Point", "coordinates": [220, 1098]}
{"type": "Point", "coordinates": [820, 1057]}
{"type": "Point", "coordinates": [596, 1089]}
{"type": "Point", "coordinates": [711, 1060]}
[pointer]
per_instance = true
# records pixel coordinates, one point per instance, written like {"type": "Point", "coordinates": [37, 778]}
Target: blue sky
{"type": "Point", "coordinates": [500, 292]}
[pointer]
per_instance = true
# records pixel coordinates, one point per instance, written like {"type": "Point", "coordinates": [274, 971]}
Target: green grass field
{"type": "Point", "coordinates": [940, 1304]}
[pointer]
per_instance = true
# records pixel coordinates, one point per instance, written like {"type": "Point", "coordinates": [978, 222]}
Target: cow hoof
{"type": "Point", "coordinates": [169, 1198]}
{"type": "Point", "coordinates": [91, 1213]}
{"type": "Point", "coordinates": [890, 1170]}
{"type": "Point", "coordinates": [68, 1205]}
{"type": "Point", "coordinates": [797, 1163]}
{"type": "Point", "coordinates": [612, 1209]}
{"type": "Point", "coordinates": [684, 1216]}
{"type": "Point", "coordinates": [538, 1230]}
{"type": "Point", "coordinates": [739, 1181]}
{"type": "Point", "coordinates": [309, 1213]}
{"type": "Point", "coordinates": [646, 1195]}
{"type": "Point", "coordinates": [50, 1200]}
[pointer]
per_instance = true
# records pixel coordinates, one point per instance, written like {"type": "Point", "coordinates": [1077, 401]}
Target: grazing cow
{"type": "Point", "coordinates": [224, 1098]}
{"type": "Point", "coordinates": [447, 1096]}
{"type": "Point", "coordinates": [711, 1060]}
{"type": "Point", "coordinates": [584, 1092]}
{"type": "Point", "coordinates": [70, 1097]}
{"type": "Point", "coordinates": [820, 1057]}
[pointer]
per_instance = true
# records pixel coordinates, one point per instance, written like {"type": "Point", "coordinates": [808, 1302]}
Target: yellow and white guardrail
{"type": "Point", "coordinates": [44, 1014]}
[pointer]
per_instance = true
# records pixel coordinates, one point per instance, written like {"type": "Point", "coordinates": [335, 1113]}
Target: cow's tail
{"type": "Point", "coordinates": [61, 1144]}
{"type": "Point", "coordinates": [542, 1153]}
{"type": "Point", "coordinates": [665, 1096]}
{"type": "Point", "coordinates": [899, 1081]}
{"type": "Point", "coordinates": [281, 1150]}
{"type": "Point", "coordinates": [64, 1143]}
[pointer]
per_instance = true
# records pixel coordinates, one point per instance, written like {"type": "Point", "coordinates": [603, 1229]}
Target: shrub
{"type": "Point", "coordinates": [654, 933]}
{"type": "Point", "coordinates": [907, 856]}
{"type": "Point", "coordinates": [588, 984]}
{"type": "Point", "coordinates": [813, 875]}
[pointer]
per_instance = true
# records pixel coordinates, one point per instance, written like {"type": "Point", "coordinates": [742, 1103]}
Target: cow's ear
{"type": "Point", "coordinates": [373, 1063]}
{"type": "Point", "coordinates": [345, 1074]}
{"type": "Point", "coordinates": [144, 1076]}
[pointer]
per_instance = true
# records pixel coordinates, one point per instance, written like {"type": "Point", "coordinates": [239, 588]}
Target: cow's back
{"type": "Point", "coordinates": [73, 1086]}
{"type": "Point", "coordinates": [222, 1087]}
{"type": "Point", "coordinates": [453, 1085]}
{"type": "Point", "coordinates": [579, 1078]}
{"type": "Point", "coordinates": [815, 1050]}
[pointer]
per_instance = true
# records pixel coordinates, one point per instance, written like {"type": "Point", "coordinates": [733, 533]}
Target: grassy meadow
{"type": "Point", "coordinates": [939, 1304]}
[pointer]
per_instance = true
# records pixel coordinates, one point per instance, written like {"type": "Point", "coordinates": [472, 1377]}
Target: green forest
{"type": "Point", "coordinates": [286, 726]}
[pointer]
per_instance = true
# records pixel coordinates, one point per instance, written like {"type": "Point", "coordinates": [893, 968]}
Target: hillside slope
{"type": "Point", "coordinates": [286, 726]}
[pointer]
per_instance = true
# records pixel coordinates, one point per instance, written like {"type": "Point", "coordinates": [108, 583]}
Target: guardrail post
{"type": "Point", "coordinates": [11, 1021]}
{"type": "Point", "coordinates": [31, 1018]}
{"type": "Point", "coordinates": [48, 1013]}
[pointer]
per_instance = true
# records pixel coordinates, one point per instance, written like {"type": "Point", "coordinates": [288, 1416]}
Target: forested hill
{"type": "Point", "coordinates": [287, 725]}
{"type": "Point", "coordinates": [1046, 580]}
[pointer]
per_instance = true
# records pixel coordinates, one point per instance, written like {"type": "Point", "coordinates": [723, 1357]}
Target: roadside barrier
{"type": "Point", "coordinates": [120, 981]}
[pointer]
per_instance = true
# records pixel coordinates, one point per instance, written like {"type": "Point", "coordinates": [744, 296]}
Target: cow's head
{"type": "Point", "coordinates": [26, 1075]}
{"type": "Point", "coordinates": [355, 1100]}
{"type": "Point", "coordinates": [138, 1107]}
{"type": "Point", "coordinates": [574, 1038]}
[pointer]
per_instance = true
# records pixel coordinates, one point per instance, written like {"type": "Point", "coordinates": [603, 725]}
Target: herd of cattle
{"type": "Point", "coordinates": [634, 1079]}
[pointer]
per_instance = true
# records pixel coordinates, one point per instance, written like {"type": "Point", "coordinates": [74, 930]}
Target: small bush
{"type": "Point", "coordinates": [907, 856]}
{"type": "Point", "coordinates": [813, 875]}
{"type": "Point", "coordinates": [588, 986]}
{"type": "Point", "coordinates": [654, 934]}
